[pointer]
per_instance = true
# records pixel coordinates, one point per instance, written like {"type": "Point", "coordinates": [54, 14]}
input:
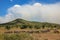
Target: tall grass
{"type": "Point", "coordinates": [21, 36]}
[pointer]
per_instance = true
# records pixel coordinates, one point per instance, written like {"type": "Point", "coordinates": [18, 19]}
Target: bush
{"type": "Point", "coordinates": [7, 27]}
{"type": "Point", "coordinates": [31, 27]}
{"type": "Point", "coordinates": [43, 26]}
{"type": "Point", "coordinates": [37, 27]}
{"type": "Point", "coordinates": [23, 26]}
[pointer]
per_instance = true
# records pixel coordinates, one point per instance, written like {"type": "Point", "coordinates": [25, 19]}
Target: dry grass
{"type": "Point", "coordinates": [36, 36]}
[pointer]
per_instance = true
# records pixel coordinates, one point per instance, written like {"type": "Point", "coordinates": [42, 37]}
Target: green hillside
{"type": "Point", "coordinates": [28, 24]}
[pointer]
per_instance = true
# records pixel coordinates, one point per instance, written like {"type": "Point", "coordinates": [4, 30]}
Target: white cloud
{"type": "Point", "coordinates": [36, 12]}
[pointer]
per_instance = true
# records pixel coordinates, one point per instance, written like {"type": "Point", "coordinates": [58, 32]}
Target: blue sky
{"type": "Point", "coordinates": [32, 10]}
{"type": "Point", "coordinates": [5, 4]}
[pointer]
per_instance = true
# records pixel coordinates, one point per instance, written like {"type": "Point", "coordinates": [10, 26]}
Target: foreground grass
{"type": "Point", "coordinates": [30, 36]}
{"type": "Point", "coordinates": [21, 36]}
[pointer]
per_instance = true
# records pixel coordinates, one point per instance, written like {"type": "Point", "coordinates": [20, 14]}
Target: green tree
{"type": "Point", "coordinates": [7, 27]}
{"type": "Point", "coordinates": [23, 26]}
{"type": "Point", "coordinates": [43, 26]}
{"type": "Point", "coordinates": [37, 27]}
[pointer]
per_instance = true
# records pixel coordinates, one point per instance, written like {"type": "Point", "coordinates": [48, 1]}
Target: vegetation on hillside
{"type": "Point", "coordinates": [23, 24]}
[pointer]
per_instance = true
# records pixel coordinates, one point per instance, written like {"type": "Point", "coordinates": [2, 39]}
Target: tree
{"type": "Point", "coordinates": [37, 27]}
{"type": "Point", "coordinates": [23, 26]}
{"type": "Point", "coordinates": [43, 26]}
{"type": "Point", "coordinates": [7, 27]}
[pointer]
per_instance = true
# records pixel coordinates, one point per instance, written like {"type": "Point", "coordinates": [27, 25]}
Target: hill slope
{"type": "Point", "coordinates": [30, 24]}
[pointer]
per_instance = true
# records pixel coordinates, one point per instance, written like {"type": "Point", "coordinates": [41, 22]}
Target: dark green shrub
{"type": "Point", "coordinates": [7, 27]}
{"type": "Point", "coordinates": [30, 27]}
{"type": "Point", "coordinates": [37, 27]}
{"type": "Point", "coordinates": [43, 26]}
{"type": "Point", "coordinates": [23, 26]}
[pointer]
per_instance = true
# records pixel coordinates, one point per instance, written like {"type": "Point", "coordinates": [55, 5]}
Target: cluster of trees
{"type": "Point", "coordinates": [32, 25]}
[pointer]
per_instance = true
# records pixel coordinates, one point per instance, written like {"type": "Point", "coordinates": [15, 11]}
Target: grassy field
{"type": "Point", "coordinates": [29, 34]}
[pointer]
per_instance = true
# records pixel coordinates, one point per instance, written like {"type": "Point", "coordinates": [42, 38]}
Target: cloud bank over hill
{"type": "Point", "coordinates": [36, 12]}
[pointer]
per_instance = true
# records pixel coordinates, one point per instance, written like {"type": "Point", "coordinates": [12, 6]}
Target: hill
{"type": "Point", "coordinates": [29, 24]}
